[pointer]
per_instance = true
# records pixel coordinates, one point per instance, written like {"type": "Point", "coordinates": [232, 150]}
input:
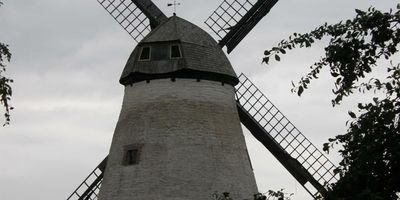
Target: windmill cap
{"type": "Point", "coordinates": [178, 49]}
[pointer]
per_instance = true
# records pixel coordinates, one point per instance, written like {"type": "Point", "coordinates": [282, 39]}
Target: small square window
{"type": "Point", "coordinates": [144, 54]}
{"type": "Point", "coordinates": [175, 51]}
{"type": "Point", "coordinates": [131, 156]}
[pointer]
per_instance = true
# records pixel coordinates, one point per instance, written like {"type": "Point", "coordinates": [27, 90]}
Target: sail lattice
{"type": "Point", "coordinates": [89, 188]}
{"type": "Point", "coordinates": [283, 132]}
{"type": "Point", "coordinates": [227, 15]}
{"type": "Point", "coordinates": [129, 16]}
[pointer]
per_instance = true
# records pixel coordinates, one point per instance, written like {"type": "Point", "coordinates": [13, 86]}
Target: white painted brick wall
{"type": "Point", "coordinates": [192, 143]}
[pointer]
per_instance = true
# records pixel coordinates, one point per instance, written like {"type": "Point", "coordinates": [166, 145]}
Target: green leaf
{"type": "Point", "coordinates": [277, 58]}
{"type": "Point", "coordinates": [326, 147]}
{"type": "Point", "coordinates": [266, 52]}
{"type": "Point", "coordinates": [300, 90]}
{"type": "Point", "coordinates": [389, 86]}
{"type": "Point", "coordinates": [336, 171]}
{"type": "Point", "coordinates": [308, 44]}
{"type": "Point", "coordinates": [359, 12]}
{"type": "Point", "coordinates": [352, 115]}
{"type": "Point", "coordinates": [266, 60]}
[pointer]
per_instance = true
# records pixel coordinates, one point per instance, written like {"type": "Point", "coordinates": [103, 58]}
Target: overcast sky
{"type": "Point", "coordinates": [67, 59]}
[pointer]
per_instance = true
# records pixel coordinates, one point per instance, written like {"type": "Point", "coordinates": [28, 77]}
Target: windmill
{"type": "Point", "coordinates": [178, 135]}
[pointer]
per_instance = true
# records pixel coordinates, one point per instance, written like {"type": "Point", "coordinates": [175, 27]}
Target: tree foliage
{"type": "Point", "coordinates": [370, 168]}
{"type": "Point", "coordinates": [5, 88]}
{"type": "Point", "coordinates": [270, 195]}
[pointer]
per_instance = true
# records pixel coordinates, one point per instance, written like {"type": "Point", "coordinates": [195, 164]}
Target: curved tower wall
{"type": "Point", "coordinates": [189, 141]}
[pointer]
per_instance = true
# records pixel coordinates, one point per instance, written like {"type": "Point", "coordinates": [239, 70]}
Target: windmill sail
{"type": "Point", "coordinates": [89, 188]}
{"type": "Point", "coordinates": [293, 150]}
{"type": "Point", "coordinates": [137, 17]}
{"type": "Point", "coordinates": [155, 15]}
{"type": "Point", "coordinates": [234, 19]}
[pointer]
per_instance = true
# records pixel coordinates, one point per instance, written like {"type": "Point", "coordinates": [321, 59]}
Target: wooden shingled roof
{"type": "Point", "coordinates": [202, 57]}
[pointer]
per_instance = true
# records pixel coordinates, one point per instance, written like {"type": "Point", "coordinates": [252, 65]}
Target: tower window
{"type": "Point", "coordinates": [144, 54]}
{"type": "Point", "coordinates": [131, 155]}
{"type": "Point", "coordinates": [175, 51]}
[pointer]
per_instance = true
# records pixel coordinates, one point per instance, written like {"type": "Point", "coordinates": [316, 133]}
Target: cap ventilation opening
{"type": "Point", "coordinates": [175, 51]}
{"type": "Point", "coordinates": [144, 54]}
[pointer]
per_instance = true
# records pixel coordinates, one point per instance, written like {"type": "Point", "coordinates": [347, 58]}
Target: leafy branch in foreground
{"type": "Point", "coordinates": [354, 48]}
{"type": "Point", "coordinates": [270, 195]}
{"type": "Point", "coordinates": [5, 88]}
{"type": "Point", "coordinates": [370, 149]}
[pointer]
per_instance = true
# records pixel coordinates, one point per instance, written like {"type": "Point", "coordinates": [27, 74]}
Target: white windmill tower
{"type": "Point", "coordinates": [179, 131]}
{"type": "Point", "coordinates": [179, 135]}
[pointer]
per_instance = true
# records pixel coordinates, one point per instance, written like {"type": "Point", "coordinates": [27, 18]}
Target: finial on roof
{"type": "Point", "coordinates": [174, 4]}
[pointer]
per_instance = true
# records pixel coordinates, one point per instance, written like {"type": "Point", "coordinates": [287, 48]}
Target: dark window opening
{"type": "Point", "coordinates": [131, 157]}
{"type": "Point", "coordinates": [145, 53]}
{"type": "Point", "coordinates": [175, 51]}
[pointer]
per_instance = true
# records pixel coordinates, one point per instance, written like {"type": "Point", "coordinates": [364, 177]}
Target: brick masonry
{"type": "Point", "coordinates": [190, 144]}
